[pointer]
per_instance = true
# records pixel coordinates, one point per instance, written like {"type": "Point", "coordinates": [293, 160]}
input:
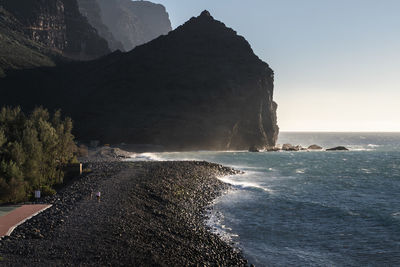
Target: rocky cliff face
{"type": "Point", "coordinates": [199, 87]}
{"type": "Point", "coordinates": [58, 24]}
{"type": "Point", "coordinates": [91, 10]}
{"type": "Point", "coordinates": [16, 50]}
{"type": "Point", "coordinates": [133, 22]}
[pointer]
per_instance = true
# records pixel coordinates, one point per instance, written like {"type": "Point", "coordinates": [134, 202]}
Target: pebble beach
{"type": "Point", "coordinates": [149, 214]}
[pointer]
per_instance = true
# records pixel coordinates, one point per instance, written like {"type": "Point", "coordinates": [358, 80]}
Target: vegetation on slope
{"type": "Point", "coordinates": [33, 150]}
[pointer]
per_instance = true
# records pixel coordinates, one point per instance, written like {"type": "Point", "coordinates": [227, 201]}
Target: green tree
{"type": "Point", "coordinates": [33, 151]}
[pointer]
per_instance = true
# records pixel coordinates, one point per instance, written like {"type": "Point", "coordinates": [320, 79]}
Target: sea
{"type": "Point", "coordinates": [306, 208]}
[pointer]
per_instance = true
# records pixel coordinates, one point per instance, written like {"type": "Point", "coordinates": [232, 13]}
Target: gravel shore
{"type": "Point", "coordinates": [150, 214]}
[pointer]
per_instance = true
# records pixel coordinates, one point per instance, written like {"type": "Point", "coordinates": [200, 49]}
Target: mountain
{"type": "Point", "coordinates": [16, 50]}
{"type": "Point", "coordinates": [57, 25]}
{"type": "Point", "coordinates": [132, 22]}
{"type": "Point", "coordinates": [48, 32]}
{"type": "Point", "coordinates": [92, 11]}
{"type": "Point", "coordinates": [199, 87]}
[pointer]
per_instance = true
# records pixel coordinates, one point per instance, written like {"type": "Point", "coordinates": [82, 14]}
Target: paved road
{"type": "Point", "coordinates": [17, 216]}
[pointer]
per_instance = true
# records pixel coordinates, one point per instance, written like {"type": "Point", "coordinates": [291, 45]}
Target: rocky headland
{"type": "Point", "coordinates": [199, 87]}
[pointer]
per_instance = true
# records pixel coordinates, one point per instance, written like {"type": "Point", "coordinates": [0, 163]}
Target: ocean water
{"type": "Point", "coordinates": [311, 208]}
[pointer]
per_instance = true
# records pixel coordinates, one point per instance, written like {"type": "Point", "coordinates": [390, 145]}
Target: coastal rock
{"type": "Point", "coordinates": [199, 87]}
{"type": "Point", "coordinates": [338, 148]}
{"type": "Point", "coordinates": [290, 147]}
{"type": "Point", "coordinates": [254, 149]}
{"type": "Point", "coordinates": [272, 149]}
{"type": "Point", "coordinates": [314, 147]}
{"type": "Point", "coordinates": [287, 147]}
{"type": "Point", "coordinates": [300, 148]}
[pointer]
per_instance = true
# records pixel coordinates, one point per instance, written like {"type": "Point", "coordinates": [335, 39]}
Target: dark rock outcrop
{"type": "Point", "coordinates": [314, 147]}
{"type": "Point", "coordinates": [254, 149]}
{"type": "Point", "coordinates": [338, 148]}
{"type": "Point", "coordinates": [199, 87]}
{"type": "Point", "coordinates": [133, 22]}
{"type": "Point", "coordinates": [272, 149]}
{"type": "Point", "coordinates": [58, 25]}
{"type": "Point", "coordinates": [289, 147]}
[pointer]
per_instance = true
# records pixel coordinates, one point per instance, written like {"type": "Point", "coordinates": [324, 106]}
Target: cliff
{"type": "Point", "coordinates": [199, 87]}
{"type": "Point", "coordinates": [16, 50]}
{"type": "Point", "coordinates": [58, 25]}
{"type": "Point", "coordinates": [132, 22]}
{"type": "Point", "coordinates": [91, 10]}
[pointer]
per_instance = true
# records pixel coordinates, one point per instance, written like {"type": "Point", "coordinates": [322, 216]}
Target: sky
{"type": "Point", "coordinates": [336, 62]}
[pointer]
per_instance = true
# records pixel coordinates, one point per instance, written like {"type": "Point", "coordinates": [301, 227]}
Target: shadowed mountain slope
{"type": "Point", "coordinates": [92, 11]}
{"type": "Point", "coordinates": [56, 25]}
{"type": "Point", "coordinates": [199, 87]}
{"type": "Point", "coordinates": [16, 50]}
{"type": "Point", "coordinates": [131, 22]}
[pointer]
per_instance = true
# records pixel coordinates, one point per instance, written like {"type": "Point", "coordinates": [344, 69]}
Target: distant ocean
{"type": "Point", "coordinates": [312, 208]}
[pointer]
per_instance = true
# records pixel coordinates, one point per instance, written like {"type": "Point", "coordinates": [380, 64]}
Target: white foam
{"type": "Point", "coordinates": [366, 170]}
{"type": "Point", "coordinates": [372, 145]}
{"type": "Point", "coordinates": [215, 219]}
{"type": "Point", "coordinates": [232, 180]}
{"type": "Point", "coordinates": [145, 157]}
{"type": "Point", "coordinates": [300, 171]}
{"type": "Point", "coordinates": [359, 148]}
{"type": "Point", "coordinates": [396, 214]}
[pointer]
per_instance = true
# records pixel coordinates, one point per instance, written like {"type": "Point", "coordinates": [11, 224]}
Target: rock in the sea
{"type": "Point", "coordinates": [287, 147]}
{"type": "Point", "coordinates": [314, 147]}
{"type": "Point", "coordinates": [338, 148]}
{"type": "Point", "coordinates": [254, 149]}
{"type": "Point", "coordinates": [290, 147]}
{"type": "Point", "coordinates": [272, 149]}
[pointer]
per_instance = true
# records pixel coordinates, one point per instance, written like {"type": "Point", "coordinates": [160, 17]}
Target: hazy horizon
{"type": "Point", "coordinates": [335, 62]}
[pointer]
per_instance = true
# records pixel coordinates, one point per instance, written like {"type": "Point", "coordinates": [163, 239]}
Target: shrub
{"type": "Point", "coordinates": [33, 150]}
{"type": "Point", "coordinates": [47, 191]}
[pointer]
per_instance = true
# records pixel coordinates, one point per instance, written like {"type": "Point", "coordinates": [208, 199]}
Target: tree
{"type": "Point", "coordinates": [33, 151]}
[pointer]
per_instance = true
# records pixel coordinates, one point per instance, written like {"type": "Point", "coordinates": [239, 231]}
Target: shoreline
{"type": "Point", "coordinates": [150, 214]}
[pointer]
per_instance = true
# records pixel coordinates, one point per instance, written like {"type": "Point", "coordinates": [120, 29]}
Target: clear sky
{"type": "Point", "coordinates": [336, 62]}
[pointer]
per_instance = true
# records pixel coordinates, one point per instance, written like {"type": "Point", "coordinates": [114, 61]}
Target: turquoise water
{"type": "Point", "coordinates": [312, 208]}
